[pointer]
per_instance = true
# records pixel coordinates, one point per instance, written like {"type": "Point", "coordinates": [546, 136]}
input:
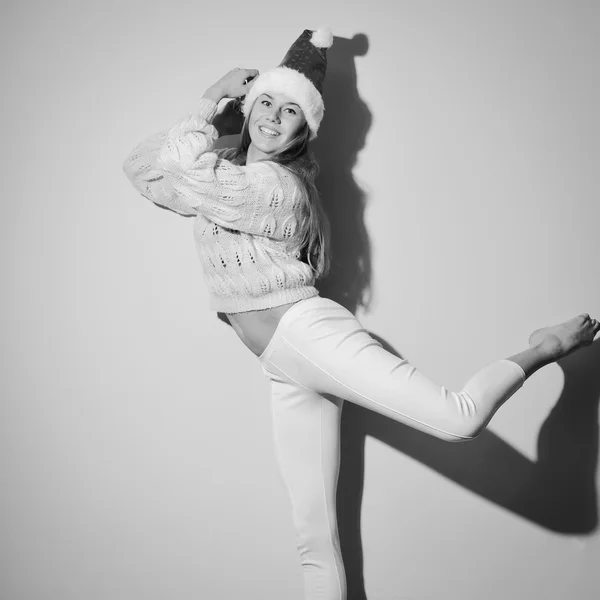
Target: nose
{"type": "Point", "coordinates": [274, 116]}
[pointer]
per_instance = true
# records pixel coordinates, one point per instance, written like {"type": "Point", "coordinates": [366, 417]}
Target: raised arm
{"type": "Point", "coordinates": [180, 171]}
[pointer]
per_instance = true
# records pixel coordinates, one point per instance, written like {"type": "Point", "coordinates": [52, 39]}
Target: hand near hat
{"type": "Point", "coordinates": [234, 84]}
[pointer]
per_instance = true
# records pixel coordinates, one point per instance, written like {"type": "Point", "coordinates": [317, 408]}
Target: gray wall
{"type": "Point", "coordinates": [135, 443]}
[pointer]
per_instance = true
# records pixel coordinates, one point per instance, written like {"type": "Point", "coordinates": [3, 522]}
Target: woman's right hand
{"type": "Point", "coordinates": [234, 84]}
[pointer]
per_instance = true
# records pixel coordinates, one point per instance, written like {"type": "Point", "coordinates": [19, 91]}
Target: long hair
{"type": "Point", "coordinates": [314, 226]}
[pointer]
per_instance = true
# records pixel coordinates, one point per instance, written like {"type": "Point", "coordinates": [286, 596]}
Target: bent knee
{"type": "Point", "coordinates": [467, 433]}
{"type": "Point", "coordinates": [461, 439]}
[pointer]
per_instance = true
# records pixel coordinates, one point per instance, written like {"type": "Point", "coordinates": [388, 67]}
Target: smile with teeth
{"type": "Point", "coordinates": [268, 132]}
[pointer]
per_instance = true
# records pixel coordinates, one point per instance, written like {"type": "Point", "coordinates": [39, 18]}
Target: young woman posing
{"type": "Point", "coordinates": [262, 240]}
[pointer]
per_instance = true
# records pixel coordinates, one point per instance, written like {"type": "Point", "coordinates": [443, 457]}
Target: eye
{"type": "Point", "coordinates": [265, 103]}
{"type": "Point", "coordinates": [291, 111]}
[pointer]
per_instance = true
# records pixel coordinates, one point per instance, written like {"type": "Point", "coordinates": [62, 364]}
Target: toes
{"type": "Point", "coordinates": [581, 319]}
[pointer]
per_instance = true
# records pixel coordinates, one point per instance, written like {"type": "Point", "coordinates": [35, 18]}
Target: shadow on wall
{"type": "Point", "coordinates": [341, 137]}
{"type": "Point", "coordinates": [558, 491]}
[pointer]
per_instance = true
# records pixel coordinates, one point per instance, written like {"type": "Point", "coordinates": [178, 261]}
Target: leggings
{"type": "Point", "coordinates": [319, 356]}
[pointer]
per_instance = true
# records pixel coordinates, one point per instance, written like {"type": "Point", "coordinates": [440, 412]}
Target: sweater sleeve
{"type": "Point", "coordinates": [147, 179]}
{"type": "Point", "coordinates": [180, 171]}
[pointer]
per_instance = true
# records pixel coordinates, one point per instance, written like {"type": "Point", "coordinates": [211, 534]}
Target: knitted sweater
{"type": "Point", "coordinates": [247, 224]}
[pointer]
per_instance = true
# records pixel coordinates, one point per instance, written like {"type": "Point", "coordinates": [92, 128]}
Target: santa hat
{"type": "Point", "coordinates": [299, 76]}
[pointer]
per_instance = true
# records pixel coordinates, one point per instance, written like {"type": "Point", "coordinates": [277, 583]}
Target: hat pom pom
{"type": "Point", "coordinates": [322, 38]}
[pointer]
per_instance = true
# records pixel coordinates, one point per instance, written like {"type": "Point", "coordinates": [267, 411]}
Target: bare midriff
{"type": "Point", "coordinates": [256, 327]}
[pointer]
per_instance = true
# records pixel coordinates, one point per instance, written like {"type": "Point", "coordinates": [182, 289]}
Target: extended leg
{"type": "Point", "coordinates": [321, 346]}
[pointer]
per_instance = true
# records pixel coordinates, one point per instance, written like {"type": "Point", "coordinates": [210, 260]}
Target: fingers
{"type": "Point", "coordinates": [250, 73]}
{"type": "Point", "coordinates": [237, 82]}
{"type": "Point", "coordinates": [249, 78]}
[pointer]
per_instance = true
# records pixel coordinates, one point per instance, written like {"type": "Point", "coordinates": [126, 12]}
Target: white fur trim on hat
{"type": "Point", "coordinates": [294, 84]}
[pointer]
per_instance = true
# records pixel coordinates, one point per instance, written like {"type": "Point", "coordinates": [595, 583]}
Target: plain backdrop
{"type": "Point", "coordinates": [135, 438]}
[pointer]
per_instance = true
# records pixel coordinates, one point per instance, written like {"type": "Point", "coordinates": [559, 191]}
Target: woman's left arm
{"type": "Point", "coordinates": [180, 171]}
{"type": "Point", "coordinates": [184, 144]}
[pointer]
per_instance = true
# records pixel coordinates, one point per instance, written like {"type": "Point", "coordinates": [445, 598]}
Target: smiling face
{"type": "Point", "coordinates": [274, 121]}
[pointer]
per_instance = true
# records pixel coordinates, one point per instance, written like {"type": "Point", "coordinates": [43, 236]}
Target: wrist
{"type": "Point", "coordinates": [215, 94]}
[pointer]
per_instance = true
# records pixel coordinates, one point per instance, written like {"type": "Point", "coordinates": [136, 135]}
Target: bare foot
{"type": "Point", "coordinates": [564, 338]}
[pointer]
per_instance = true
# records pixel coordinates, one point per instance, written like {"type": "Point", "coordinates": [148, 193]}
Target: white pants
{"type": "Point", "coordinates": [321, 355]}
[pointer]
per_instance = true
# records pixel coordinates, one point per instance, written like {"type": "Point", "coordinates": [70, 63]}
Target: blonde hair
{"type": "Point", "coordinates": [314, 226]}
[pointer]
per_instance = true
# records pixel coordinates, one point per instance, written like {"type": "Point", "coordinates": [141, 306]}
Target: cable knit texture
{"type": "Point", "coordinates": [247, 225]}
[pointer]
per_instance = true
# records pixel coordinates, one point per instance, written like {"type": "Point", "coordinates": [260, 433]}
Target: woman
{"type": "Point", "coordinates": [262, 241]}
